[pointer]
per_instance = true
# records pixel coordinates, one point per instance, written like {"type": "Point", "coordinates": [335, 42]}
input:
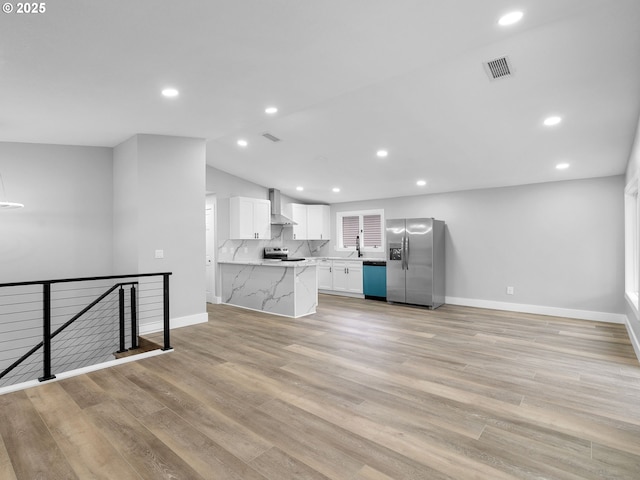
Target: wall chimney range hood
{"type": "Point", "coordinates": [276, 210]}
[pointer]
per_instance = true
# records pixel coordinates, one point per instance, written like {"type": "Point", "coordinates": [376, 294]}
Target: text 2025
{"type": "Point", "coordinates": [31, 7]}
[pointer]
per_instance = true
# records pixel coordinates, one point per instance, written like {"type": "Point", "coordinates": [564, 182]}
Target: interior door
{"type": "Point", "coordinates": [210, 278]}
{"type": "Point", "coordinates": [395, 235]}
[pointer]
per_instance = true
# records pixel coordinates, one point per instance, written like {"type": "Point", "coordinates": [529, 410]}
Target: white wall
{"type": "Point", "coordinates": [225, 186]}
{"type": "Point", "coordinates": [633, 165]}
{"type": "Point", "coordinates": [559, 244]}
{"type": "Point", "coordinates": [161, 181]}
{"type": "Point", "coordinates": [65, 229]}
{"type": "Point", "coordinates": [125, 211]}
{"type": "Point", "coordinates": [93, 211]}
{"type": "Point", "coordinates": [633, 171]}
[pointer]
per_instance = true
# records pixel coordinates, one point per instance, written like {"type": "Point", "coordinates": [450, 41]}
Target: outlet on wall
{"type": "Point", "coordinates": [509, 290]}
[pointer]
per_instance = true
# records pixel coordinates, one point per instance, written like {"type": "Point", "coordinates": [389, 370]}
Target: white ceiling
{"type": "Point", "coordinates": [349, 77]}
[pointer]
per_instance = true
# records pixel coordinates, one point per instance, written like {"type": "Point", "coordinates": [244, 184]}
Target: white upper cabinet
{"type": "Point", "coordinates": [313, 221]}
{"type": "Point", "coordinates": [298, 214]}
{"type": "Point", "coordinates": [319, 222]}
{"type": "Point", "coordinates": [249, 218]}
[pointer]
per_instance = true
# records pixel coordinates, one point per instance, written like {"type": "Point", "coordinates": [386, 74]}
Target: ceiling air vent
{"type": "Point", "coordinates": [268, 136]}
{"type": "Point", "coordinates": [498, 68]}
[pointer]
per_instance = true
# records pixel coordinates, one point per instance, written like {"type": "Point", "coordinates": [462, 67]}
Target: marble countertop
{"type": "Point", "coordinates": [352, 259]}
{"type": "Point", "coordinates": [307, 262]}
{"type": "Point", "coordinates": [272, 263]}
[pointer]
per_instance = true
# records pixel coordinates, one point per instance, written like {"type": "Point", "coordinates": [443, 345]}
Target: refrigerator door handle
{"type": "Point", "coordinates": [406, 253]}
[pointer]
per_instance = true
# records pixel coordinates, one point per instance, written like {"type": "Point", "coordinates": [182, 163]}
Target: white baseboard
{"type": "Point", "coordinates": [540, 310]}
{"type": "Point", "coordinates": [340, 293]}
{"type": "Point", "coordinates": [83, 370]}
{"type": "Point", "coordinates": [175, 323]}
{"type": "Point", "coordinates": [271, 313]}
{"type": "Point", "coordinates": [635, 341]}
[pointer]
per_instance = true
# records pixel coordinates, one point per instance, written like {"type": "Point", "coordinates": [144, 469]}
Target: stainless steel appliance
{"type": "Point", "coordinates": [276, 210]}
{"type": "Point", "coordinates": [279, 253]}
{"type": "Point", "coordinates": [415, 261]}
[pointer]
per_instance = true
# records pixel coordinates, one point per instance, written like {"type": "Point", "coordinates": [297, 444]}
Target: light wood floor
{"type": "Point", "coordinates": [361, 390]}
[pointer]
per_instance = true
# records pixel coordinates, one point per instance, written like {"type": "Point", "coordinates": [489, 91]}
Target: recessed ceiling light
{"type": "Point", "coordinates": [382, 153]}
{"type": "Point", "coordinates": [242, 143]}
{"type": "Point", "coordinates": [170, 92]}
{"type": "Point", "coordinates": [551, 121]}
{"type": "Point", "coordinates": [562, 166]}
{"type": "Point", "coordinates": [299, 189]}
{"type": "Point", "coordinates": [421, 183]}
{"type": "Point", "coordinates": [271, 110]}
{"type": "Point", "coordinates": [335, 189]}
{"type": "Point", "coordinates": [510, 18]}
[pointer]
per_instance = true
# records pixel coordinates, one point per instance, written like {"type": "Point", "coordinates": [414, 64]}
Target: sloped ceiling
{"type": "Point", "coordinates": [349, 77]}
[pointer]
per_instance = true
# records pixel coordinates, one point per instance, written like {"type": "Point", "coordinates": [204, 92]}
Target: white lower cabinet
{"type": "Point", "coordinates": [340, 276]}
{"type": "Point", "coordinates": [355, 283]}
{"type": "Point", "coordinates": [325, 275]}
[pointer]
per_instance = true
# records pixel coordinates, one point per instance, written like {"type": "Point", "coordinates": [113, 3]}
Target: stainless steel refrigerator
{"type": "Point", "coordinates": [415, 261]}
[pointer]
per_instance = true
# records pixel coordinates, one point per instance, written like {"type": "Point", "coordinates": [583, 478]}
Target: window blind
{"type": "Point", "coordinates": [350, 230]}
{"type": "Point", "coordinates": [372, 231]}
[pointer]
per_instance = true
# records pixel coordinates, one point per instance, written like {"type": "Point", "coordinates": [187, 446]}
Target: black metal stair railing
{"type": "Point", "coordinates": [75, 340]}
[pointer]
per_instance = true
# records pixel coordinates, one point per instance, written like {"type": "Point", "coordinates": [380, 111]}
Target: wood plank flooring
{"type": "Point", "coordinates": [362, 390]}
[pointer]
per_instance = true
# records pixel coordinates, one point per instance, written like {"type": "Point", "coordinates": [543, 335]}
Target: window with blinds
{"type": "Point", "coordinates": [368, 225]}
{"type": "Point", "coordinates": [350, 231]}
{"type": "Point", "coordinates": [372, 231]}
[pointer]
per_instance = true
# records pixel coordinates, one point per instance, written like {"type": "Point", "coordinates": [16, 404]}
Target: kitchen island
{"type": "Point", "coordinates": [285, 288]}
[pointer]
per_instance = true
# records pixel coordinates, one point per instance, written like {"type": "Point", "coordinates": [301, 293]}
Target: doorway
{"type": "Point", "coordinates": [210, 249]}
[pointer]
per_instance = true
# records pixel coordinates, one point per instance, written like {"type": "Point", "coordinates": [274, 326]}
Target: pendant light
{"type": "Point", "coordinates": [4, 205]}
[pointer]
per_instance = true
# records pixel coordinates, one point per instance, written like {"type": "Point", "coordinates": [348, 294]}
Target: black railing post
{"type": "Point", "coordinates": [46, 333]}
{"type": "Point", "coordinates": [134, 319]}
{"type": "Point", "coordinates": [121, 305]}
{"type": "Point", "coordinates": [167, 325]}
